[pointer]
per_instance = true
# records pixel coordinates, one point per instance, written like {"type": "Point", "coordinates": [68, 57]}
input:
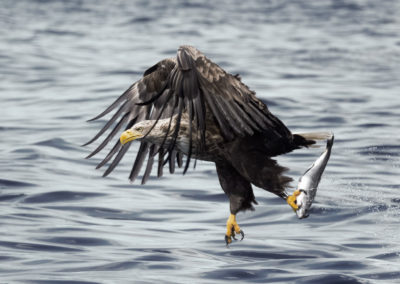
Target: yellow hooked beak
{"type": "Point", "coordinates": [129, 135]}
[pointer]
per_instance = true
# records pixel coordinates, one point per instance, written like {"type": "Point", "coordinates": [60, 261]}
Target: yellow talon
{"type": "Point", "coordinates": [291, 200]}
{"type": "Point", "coordinates": [232, 227]}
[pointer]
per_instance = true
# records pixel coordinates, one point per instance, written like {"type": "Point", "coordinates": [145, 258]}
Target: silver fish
{"type": "Point", "coordinates": [308, 183]}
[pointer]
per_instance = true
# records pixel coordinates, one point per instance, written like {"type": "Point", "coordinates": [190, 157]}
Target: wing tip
{"type": "Point", "coordinates": [92, 119]}
{"type": "Point", "coordinates": [87, 143]}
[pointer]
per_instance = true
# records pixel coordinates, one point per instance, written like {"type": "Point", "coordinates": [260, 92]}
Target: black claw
{"type": "Point", "coordinates": [242, 233]}
{"type": "Point", "coordinates": [227, 241]}
{"type": "Point", "coordinates": [233, 233]}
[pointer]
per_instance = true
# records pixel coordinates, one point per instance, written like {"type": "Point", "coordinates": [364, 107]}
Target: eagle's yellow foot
{"type": "Point", "coordinates": [291, 200]}
{"type": "Point", "coordinates": [232, 227]}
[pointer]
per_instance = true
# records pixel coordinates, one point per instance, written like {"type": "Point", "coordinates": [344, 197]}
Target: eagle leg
{"type": "Point", "coordinates": [232, 227]}
{"type": "Point", "coordinates": [241, 197]}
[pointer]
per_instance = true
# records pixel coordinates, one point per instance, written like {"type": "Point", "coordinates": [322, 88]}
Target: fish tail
{"type": "Point", "coordinates": [330, 141]}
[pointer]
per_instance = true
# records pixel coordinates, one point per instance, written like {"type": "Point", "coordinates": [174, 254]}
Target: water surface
{"type": "Point", "coordinates": [320, 65]}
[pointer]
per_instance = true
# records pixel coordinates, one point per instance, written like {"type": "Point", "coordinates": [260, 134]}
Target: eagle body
{"type": "Point", "coordinates": [188, 108]}
{"type": "Point", "coordinates": [213, 139]}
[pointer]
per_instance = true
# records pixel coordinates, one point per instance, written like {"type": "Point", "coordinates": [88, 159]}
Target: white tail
{"type": "Point", "coordinates": [316, 135]}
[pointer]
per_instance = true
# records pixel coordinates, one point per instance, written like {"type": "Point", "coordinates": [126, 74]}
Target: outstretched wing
{"type": "Point", "coordinates": [190, 84]}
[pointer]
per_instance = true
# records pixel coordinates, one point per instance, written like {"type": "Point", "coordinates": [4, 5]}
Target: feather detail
{"type": "Point", "coordinates": [191, 90]}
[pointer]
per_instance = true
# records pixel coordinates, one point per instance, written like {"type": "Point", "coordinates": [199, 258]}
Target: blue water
{"type": "Point", "coordinates": [321, 65]}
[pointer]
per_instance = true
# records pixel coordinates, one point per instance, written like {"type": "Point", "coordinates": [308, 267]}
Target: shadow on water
{"type": "Point", "coordinates": [13, 183]}
{"type": "Point", "coordinates": [61, 196]}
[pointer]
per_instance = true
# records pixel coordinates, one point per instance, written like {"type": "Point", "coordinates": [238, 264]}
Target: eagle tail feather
{"type": "Point", "coordinates": [310, 138]}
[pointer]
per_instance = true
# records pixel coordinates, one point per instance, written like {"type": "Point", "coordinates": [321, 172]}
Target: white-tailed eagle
{"type": "Point", "coordinates": [187, 108]}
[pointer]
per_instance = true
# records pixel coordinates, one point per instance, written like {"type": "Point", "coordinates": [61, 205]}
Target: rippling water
{"type": "Point", "coordinates": [321, 65]}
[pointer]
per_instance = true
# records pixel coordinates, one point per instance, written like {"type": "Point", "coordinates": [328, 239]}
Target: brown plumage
{"type": "Point", "coordinates": [189, 106]}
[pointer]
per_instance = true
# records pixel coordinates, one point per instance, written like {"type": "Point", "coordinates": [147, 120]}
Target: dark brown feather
{"type": "Point", "coordinates": [189, 86]}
